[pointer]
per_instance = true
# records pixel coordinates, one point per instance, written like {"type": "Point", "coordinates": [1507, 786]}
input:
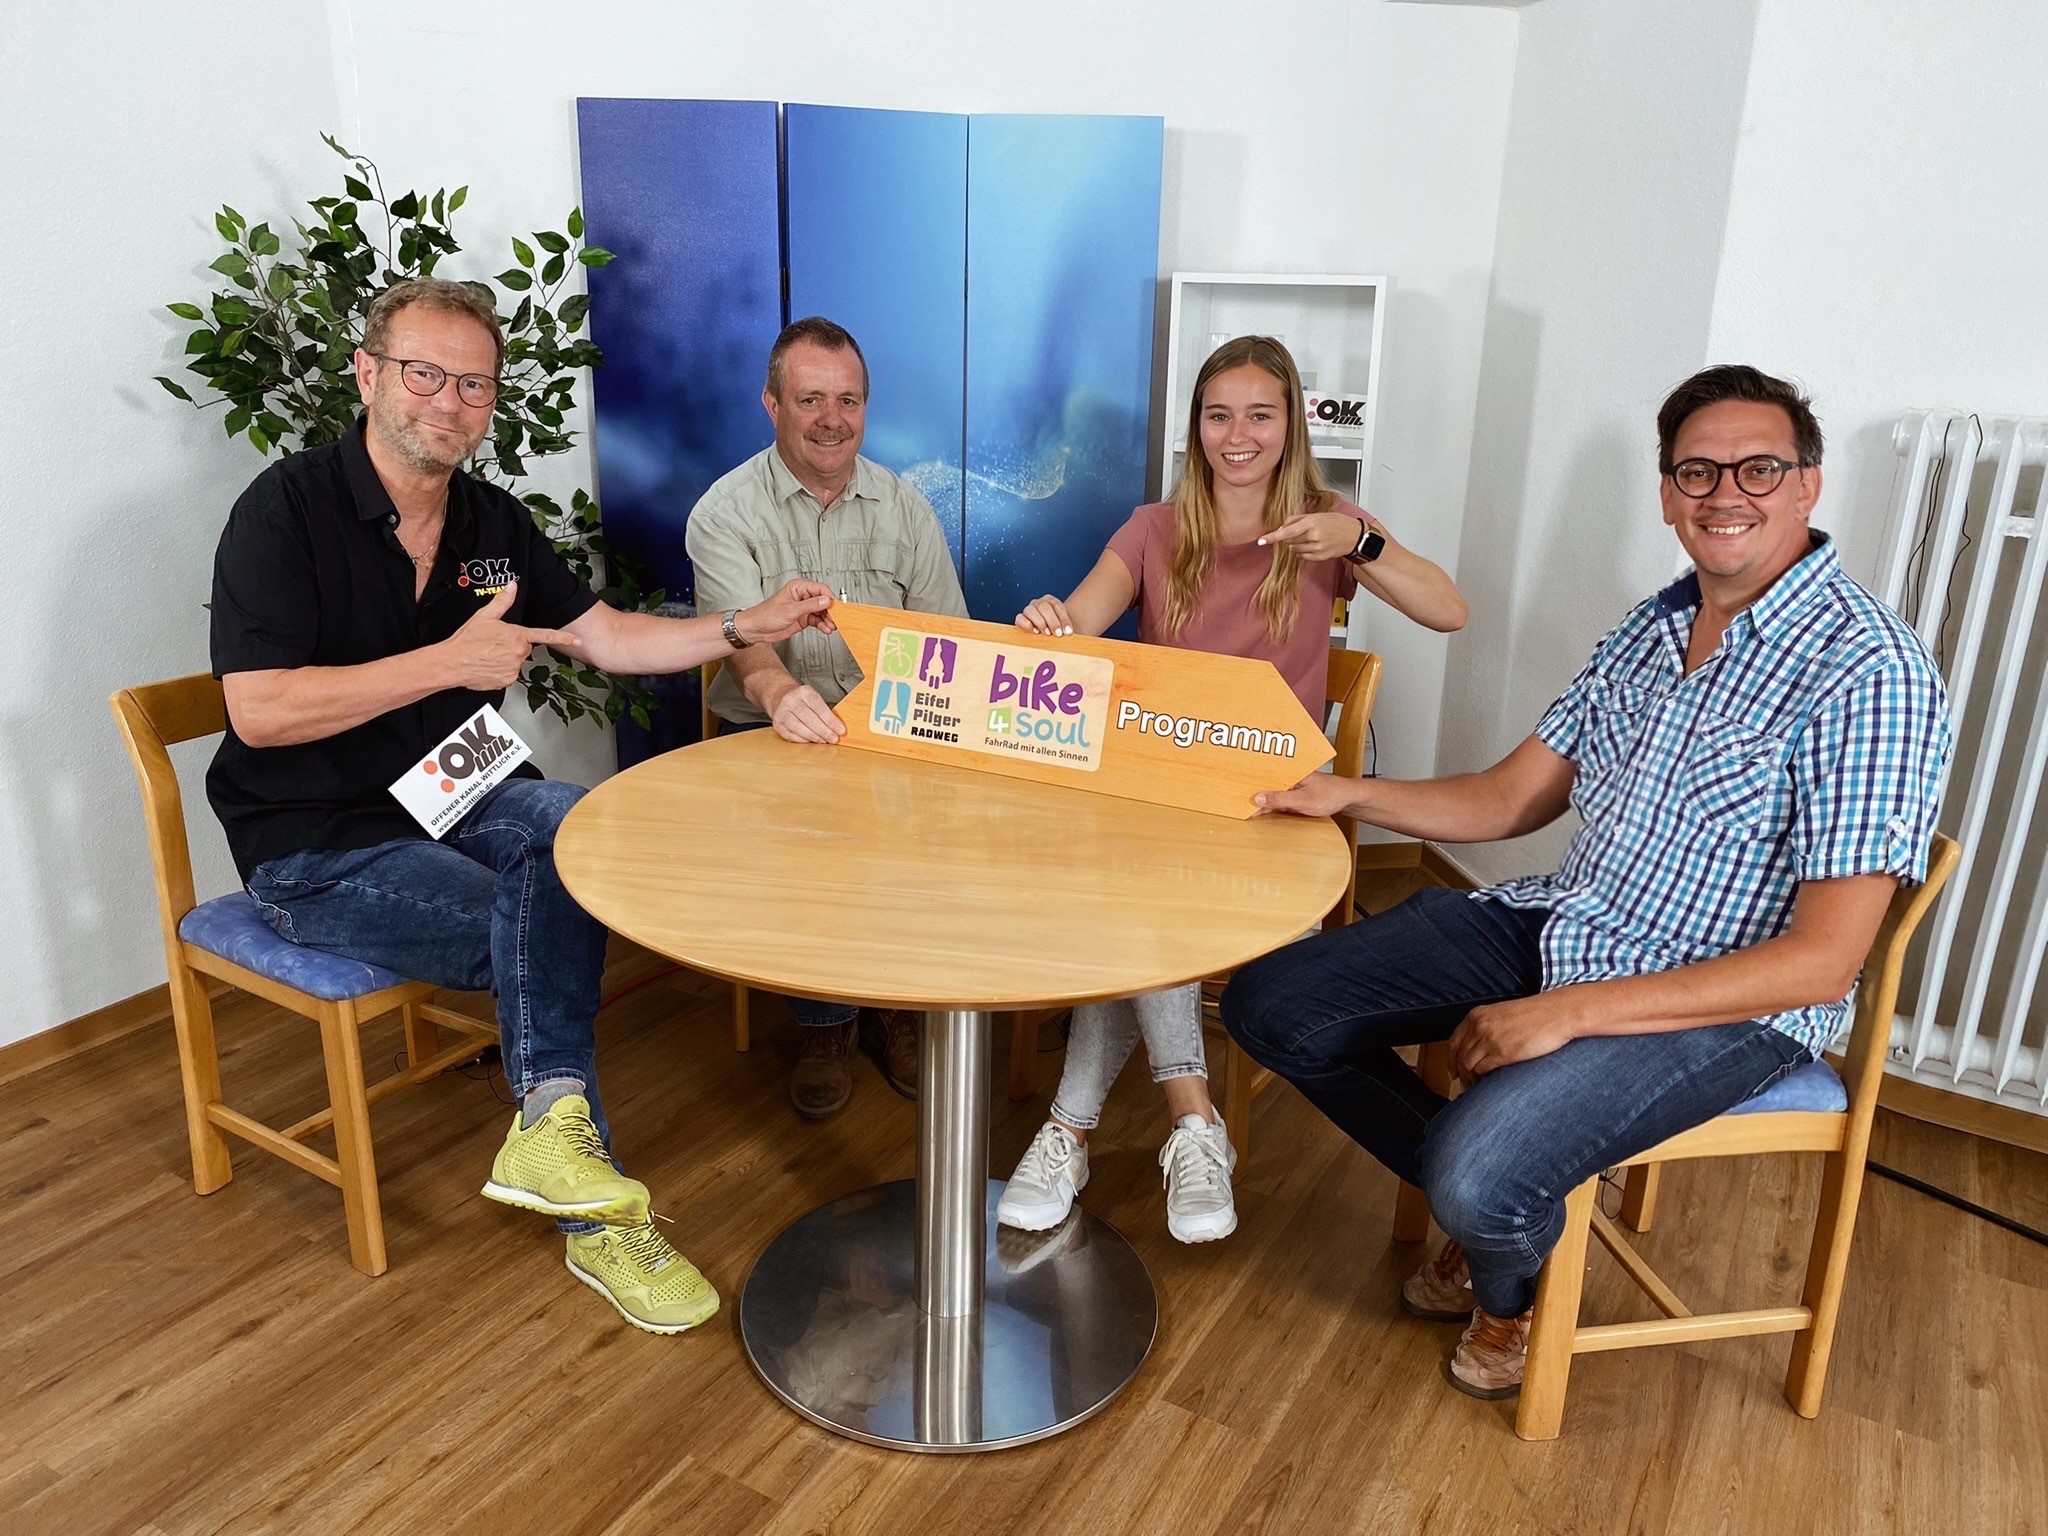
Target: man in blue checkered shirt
{"type": "Point", "coordinates": [1755, 755]}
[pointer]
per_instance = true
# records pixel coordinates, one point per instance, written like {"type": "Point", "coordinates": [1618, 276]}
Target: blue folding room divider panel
{"type": "Point", "coordinates": [1063, 268]}
{"type": "Point", "coordinates": [686, 194]}
{"type": "Point", "coordinates": [875, 209]}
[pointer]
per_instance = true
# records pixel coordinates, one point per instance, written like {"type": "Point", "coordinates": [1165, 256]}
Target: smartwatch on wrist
{"type": "Point", "coordinates": [1370, 542]}
{"type": "Point", "coordinates": [731, 627]}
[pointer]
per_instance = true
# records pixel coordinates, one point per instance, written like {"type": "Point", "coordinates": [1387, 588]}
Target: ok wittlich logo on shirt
{"type": "Point", "coordinates": [489, 577]}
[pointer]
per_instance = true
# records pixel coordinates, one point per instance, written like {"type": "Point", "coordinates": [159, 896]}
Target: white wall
{"type": "Point", "coordinates": [1888, 238]}
{"type": "Point", "coordinates": [1621, 148]}
{"type": "Point", "coordinates": [1345, 137]}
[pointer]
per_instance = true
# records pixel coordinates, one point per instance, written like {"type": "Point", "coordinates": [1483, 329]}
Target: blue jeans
{"type": "Point", "coordinates": [1497, 1161]}
{"type": "Point", "coordinates": [482, 908]}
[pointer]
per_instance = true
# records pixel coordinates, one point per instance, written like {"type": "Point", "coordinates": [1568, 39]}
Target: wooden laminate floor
{"type": "Point", "coordinates": [175, 1364]}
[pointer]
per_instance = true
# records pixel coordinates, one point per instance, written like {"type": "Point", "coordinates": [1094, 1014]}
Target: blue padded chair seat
{"type": "Point", "coordinates": [231, 927]}
{"type": "Point", "coordinates": [1811, 1087]}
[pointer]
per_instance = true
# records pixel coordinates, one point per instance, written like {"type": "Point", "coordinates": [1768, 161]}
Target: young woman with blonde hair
{"type": "Point", "coordinates": [1247, 559]}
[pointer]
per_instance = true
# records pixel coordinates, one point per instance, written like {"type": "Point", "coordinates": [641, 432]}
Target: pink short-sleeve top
{"type": "Point", "coordinates": [1226, 620]}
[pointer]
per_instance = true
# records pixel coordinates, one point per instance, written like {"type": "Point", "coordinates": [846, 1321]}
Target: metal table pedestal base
{"type": "Point", "coordinates": [830, 1317]}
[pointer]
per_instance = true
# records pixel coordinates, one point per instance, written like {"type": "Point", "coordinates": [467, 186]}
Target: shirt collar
{"type": "Point", "coordinates": [1781, 600]}
{"type": "Point", "coordinates": [373, 502]}
{"type": "Point", "coordinates": [786, 485]}
{"type": "Point", "coordinates": [1798, 587]}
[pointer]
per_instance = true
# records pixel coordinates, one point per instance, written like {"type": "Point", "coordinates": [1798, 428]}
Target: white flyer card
{"type": "Point", "coordinates": [441, 787]}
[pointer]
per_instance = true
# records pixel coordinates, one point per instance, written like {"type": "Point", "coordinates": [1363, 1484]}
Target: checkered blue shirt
{"type": "Point", "coordinates": [1810, 746]}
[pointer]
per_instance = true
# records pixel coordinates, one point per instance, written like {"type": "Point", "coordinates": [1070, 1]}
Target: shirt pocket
{"type": "Point", "coordinates": [1729, 776]}
{"type": "Point", "coordinates": [1616, 715]}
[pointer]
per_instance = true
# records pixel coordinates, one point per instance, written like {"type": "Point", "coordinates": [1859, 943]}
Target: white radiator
{"type": "Point", "coordinates": [1964, 562]}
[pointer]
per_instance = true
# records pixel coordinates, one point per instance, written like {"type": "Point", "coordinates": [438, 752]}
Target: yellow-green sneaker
{"type": "Point", "coordinates": [559, 1167]}
{"type": "Point", "coordinates": [636, 1270]}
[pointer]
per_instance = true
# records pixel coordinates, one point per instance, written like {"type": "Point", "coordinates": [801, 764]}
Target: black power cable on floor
{"type": "Point", "coordinates": [2032, 1234]}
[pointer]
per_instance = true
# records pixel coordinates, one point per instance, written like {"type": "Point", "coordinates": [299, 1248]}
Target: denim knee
{"type": "Point", "coordinates": [1255, 1012]}
{"type": "Point", "coordinates": [1475, 1196]}
{"type": "Point", "coordinates": [548, 802]}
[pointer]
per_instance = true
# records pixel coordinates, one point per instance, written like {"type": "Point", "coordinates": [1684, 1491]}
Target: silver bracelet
{"type": "Point", "coordinates": [730, 625]}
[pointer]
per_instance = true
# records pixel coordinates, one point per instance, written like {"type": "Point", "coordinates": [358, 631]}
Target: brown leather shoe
{"type": "Point", "coordinates": [890, 1036]}
{"type": "Point", "coordinates": [1489, 1358]}
{"type": "Point", "coordinates": [1440, 1291]}
{"type": "Point", "coordinates": [822, 1080]}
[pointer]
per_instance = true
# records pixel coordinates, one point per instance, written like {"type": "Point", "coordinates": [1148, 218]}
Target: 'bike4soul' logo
{"type": "Point", "coordinates": [1047, 707]}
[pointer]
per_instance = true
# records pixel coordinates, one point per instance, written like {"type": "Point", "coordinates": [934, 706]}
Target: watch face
{"type": "Point", "coordinates": [1375, 541]}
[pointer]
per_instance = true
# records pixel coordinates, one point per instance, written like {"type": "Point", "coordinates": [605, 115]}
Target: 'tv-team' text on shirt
{"type": "Point", "coordinates": [1811, 745]}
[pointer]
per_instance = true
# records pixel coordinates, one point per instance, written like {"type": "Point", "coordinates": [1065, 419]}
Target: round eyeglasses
{"type": "Point", "coordinates": [1758, 475]}
{"type": "Point", "coordinates": [424, 378]}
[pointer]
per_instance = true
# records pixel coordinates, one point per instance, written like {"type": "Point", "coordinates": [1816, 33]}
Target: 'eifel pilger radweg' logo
{"type": "Point", "coordinates": [913, 696]}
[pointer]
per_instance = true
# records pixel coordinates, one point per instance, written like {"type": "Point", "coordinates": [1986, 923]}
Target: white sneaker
{"type": "Point", "coordinates": [1053, 1169]}
{"type": "Point", "coordinates": [1198, 1160]}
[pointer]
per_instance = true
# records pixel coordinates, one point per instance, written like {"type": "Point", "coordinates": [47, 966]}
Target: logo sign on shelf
{"type": "Point", "coordinates": [1142, 722]}
{"type": "Point", "coordinates": [1338, 414]}
{"type": "Point", "coordinates": [440, 788]}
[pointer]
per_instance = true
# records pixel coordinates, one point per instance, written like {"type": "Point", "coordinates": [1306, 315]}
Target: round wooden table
{"type": "Point", "coordinates": [895, 1315]}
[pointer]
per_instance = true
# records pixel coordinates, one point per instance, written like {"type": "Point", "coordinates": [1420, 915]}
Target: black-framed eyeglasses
{"type": "Point", "coordinates": [1758, 475]}
{"type": "Point", "coordinates": [424, 378]}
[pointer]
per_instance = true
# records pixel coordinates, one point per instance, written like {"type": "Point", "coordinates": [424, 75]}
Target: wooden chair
{"type": "Point", "coordinates": [1354, 683]}
{"type": "Point", "coordinates": [1782, 1119]}
{"type": "Point", "coordinates": [340, 995]}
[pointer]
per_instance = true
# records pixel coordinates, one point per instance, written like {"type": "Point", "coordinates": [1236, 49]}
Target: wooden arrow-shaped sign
{"type": "Point", "coordinates": [1142, 722]}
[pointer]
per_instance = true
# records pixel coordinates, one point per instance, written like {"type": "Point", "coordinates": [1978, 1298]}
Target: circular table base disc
{"type": "Point", "coordinates": [830, 1319]}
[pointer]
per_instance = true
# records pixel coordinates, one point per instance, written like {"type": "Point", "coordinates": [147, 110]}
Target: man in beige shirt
{"type": "Point", "coordinates": [810, 506]}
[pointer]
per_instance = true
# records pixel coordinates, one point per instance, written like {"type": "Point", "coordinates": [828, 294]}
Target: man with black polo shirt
{"type": "Point", "coordinates": [368, 599]}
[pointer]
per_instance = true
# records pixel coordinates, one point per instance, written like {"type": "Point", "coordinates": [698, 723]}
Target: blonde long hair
{"type": "Point", "coordinates": [1296, 487]}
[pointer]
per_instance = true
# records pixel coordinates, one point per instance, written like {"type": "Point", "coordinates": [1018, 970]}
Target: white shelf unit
{"type": "Point", "coordinates": [1332, 325]}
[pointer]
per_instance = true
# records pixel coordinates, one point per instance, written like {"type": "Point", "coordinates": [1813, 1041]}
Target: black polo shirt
{"type": "Point", "coordinates": [310, 573]}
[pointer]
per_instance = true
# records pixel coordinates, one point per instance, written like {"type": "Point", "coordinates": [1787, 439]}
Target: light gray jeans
{"type": "Point", "coordinates": [1103, 1036]}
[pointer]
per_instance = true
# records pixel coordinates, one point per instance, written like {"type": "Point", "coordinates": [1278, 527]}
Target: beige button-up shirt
{"type": "Point", "coordinates": [758, 528]}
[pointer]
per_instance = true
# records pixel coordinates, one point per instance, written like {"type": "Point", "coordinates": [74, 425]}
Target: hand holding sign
{"type": "Point", "coordinates": [1320, 794]}
{"type": "Point", "coordinates": [1046, 616]}
{"type": "Point", "coordinates": [799, 605]}
{"type": "Point", "coordinates": [486, 654]}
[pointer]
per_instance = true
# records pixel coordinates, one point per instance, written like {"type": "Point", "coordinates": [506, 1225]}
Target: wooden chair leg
{"type": "Point", "coordinates": [742, 1023]}
{"type": "Point", "coordinates": [1541, 1412]}
{"type": "Point", "coordinates": [1639, 1196]}
{"type": "Point", "coordinates": [422, 1036]}
{"type": "Point", "coordinates": [1411, 1214]}
{"type": "Point", "coordinates": [1827, 1267]}
{"type": "Point", "coordinates": [199, 1073]}
{"type": "Point", "coordinates": [1411, 1206]}
{"type": "Point", "coordinates": [1023, 1055]}
{"type": "Point", "coordinates": [1239, 1069]}
{"type": "Point", "coordinates": [341, 1043]}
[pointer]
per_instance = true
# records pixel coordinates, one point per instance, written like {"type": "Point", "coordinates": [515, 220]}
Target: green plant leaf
{"type": "Point", "coordinates": [440, 206]}
{"type": "Point", "coordinates": [237, 418]}
{"type": "Point", "coordinates": [176, 389]}
{"type": "Point", "coordinates": [515, 279]}
{"type": "Point", "coordinates": [262, 443]}
{"type": "Point", "coordinates": [407, 207]}
{"type": "Point", "coordinates": [359, 190]}
{"type": "Point", "coordinates": [574, 308]}
{"type": "Point", "coordinates": [230, 264]}
{"type": "Point", "coordinates": [550, 240]}
{"type": "Point", "coordinates": [575, 223]}
{"type": "Point", "coordinates": [262, 241]}
{"type": "Point", "coordinates": [457, 198]}
{"type": "Point", "coordinates": [186, 311]}
{"type": "Point", "coordinates": [552, 272]}
{"type": "Point", "coordinates": [522, 252]}
{"type": "Point", "coordinates": [225, 225]}
{"type": "Point", "coordinates": [594, 256]}
{"type": "Point", "coordinates": [280, 282]}
{"type": "Point", "coordinates": [233, 218]}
